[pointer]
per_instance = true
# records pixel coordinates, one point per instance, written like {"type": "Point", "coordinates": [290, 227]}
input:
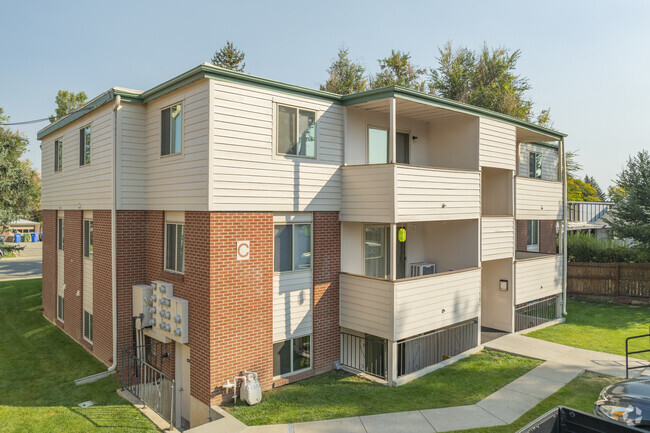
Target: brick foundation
{"type": "Point", "coordinates": [102, 287]}
{"type": "Point", "coordinates": [49, 264]}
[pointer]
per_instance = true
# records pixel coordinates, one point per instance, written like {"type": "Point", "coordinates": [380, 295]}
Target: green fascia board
{"type": "Point", "coordinates": [543, 144]}
{"type": "Point", "coordinates": [436, 101]}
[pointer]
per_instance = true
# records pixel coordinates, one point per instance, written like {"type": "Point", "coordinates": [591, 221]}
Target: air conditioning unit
{"type": "Point", "coordinates": [422, 268]}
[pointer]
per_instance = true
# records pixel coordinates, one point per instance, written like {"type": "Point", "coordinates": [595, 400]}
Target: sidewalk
{"type": "Point", "coordinates": [563, 364]}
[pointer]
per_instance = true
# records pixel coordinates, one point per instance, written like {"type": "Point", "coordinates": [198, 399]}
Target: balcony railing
{"type": "Point", "coordinates": [537, 276]}
{"type": "Point", "coordinates": [587, 211]}
{"type": "Point", "coordinates": [538, 199]}
{"type": "Point", "coordinates": [410, 306]}
{"type": "Point", "coordinates": [389, 193]}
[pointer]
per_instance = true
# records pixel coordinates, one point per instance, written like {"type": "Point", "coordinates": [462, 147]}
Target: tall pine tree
{"type": "Point", "coordinates": [229, 57]}
{"type": "Point", "coordinates": [345, 76]}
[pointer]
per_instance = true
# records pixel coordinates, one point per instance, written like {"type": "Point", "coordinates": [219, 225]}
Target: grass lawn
{"type": "Point", "coordinates": [334, 395]}
{"type": "Point", "coordinates": [580, 393]}
{"type": "Point", "coordinates": [38, 366]}
{"type": "Point", "coordinates": [601, 326]}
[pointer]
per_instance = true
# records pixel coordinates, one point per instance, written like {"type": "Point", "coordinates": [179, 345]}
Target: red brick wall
{"type": "Point", "coordinates": [522, 234]}
{"type": "Point", "coordinates": [102, 287]}
{"type": "Point", "coordinates": [241, 299]}
{"type": "Point", "coordinates": [327, 265]}
{"type": "Point", "coordinates": [49, 264]}
{"type": "Point", "coordinates": [547, 235]}
{"type": "Point", "coordinates": [73, 276]}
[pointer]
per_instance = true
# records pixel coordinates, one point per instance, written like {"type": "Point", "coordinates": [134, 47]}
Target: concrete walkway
{"type": "Point", "coordinates": [563, 364]}
{"type": "Point", "coordinates": [27, 264]}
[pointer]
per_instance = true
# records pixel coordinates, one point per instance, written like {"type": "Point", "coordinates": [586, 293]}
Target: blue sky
{"type": "Point", "coordinates": [586, 60]}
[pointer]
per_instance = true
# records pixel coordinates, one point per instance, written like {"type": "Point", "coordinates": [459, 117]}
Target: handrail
{"type": "Point", "coordinates": [628, 353]}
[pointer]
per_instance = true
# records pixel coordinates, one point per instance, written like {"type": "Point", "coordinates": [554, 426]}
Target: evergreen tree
{"type": "Point", "coordinates": [398, 70]}
{"type": "Point", "coordinates": [599, 192]}
{"type": "Point", "coordinates": [67, 102]}
{"type": "Point", "coordinates": [345, 76]}
{"type": "Point", "coordinates": [229, 57]}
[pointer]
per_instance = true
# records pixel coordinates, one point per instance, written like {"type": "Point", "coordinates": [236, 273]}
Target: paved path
{"type": "Point", "coordinates": [28, 264]}
{"type": "Point", "coordinates": [563, 364]}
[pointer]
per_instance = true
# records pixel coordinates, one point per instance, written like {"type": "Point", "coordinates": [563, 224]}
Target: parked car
{"type": "Point", "coordinates": [626, 402]}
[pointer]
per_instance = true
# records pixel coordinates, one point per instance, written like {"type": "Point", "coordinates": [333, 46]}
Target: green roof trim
{"type": "Point", "coordinates": [209, 71]}
{"type": "Point", "coordinates": [543, 144]}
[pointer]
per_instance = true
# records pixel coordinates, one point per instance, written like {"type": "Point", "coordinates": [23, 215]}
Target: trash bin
{"type": "Point", "coordinates": [17, 237]}
{"type": "Point", "coordinates": [34, 237]}
{"type": "Point", "coordinates": [40, 237]}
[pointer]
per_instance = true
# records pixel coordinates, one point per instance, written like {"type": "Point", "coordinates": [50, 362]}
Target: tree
{"type": "Point", "coordinates": [630, 216]}
{"type": "Point", "coordinates": [229, 57]}
{"type": "Point", "coordinates": [577, 190]}
{"type": "Point", "coordinates": [345, 76]}
{"type": "Point", "coordinates": [67, 102]}
{"type": "Point", "coordinates": [572, 164]}
{"type": "Point", "coordinates": [599, 192]}
{"type": "Point", "coordinates": [484, 79]}
{"type": "Point", "coordinates": [397, 70]}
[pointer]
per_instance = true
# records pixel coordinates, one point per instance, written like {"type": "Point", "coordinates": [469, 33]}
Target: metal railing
{"type": "Point", "coordinates": [423, 351]}
{"type": "Point", "coordinates": [367, 354]}
{"type": "Point", "coordinates": [537, 312]}
{"type": "Point", "coordinates": [628, 353]}
{"type": "Point", "coordinates": [587, 211]}
{"type": "Point", "coordinates": [148, 384]}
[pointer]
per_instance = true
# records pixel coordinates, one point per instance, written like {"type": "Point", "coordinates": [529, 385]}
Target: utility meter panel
{"type": "Point", "coordinates": [141, 304]}
{"type": "Point", "coordinates": [167, 314]}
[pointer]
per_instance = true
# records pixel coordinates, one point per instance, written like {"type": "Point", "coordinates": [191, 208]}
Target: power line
{"type": "Point", "coordinates": [27, 122]}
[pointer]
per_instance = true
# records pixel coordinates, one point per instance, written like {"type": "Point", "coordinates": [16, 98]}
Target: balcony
{"type": "Point", "coordinates": [402, 308]}
{"type": "Point", "coordinates": [538, 199]}
{"type": "Point", "coordinates": [390, 193]}
{"type": "Point", "coordinates": [537, 276]}
{"type": "Point", "coordinates": [497, 237]}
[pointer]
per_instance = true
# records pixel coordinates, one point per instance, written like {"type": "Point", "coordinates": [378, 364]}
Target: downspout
{"type": "Point", "coordinates": [565, 259]}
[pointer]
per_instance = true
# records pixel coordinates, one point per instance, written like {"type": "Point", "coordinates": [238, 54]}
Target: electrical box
{"type": "Point", "coordinates": [168, 314]}
{"type": "Point", "coordinates": [141, 305]}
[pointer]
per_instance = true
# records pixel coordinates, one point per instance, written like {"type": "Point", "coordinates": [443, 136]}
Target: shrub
{"type": "Point", "coordinates": [586, 248]}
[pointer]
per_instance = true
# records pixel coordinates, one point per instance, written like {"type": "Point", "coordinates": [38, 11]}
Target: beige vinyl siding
{"type": "Point", "coordinates": [88, 186]}
{"type": "Point", "coordinates": [180, 181]}
{"type": "Point", "coordinates": [538, 277]}
{"type": "Point", "coordinates": [87, 273]}
{"type": "Point", "coordinates": [498, 238]}
{"type": "Point", "coordinates": [550, 160]}
{"type": "Point", "coordinates": [538, 199]}
{"type": "Point", "coordinates": [292, 304]}
{"type": "Point", "coordinates": [248, 175]}
{"type": "Point", "coordinates": [497, 144]}
{"type": "Point", "coordinates": [366, 305]}
{"type": "Point", "coordinates": [367, 193]}
{"type": "Point", "coordinates": [428, 303]}
{"type": "Point", "coordinates": [132, 154]}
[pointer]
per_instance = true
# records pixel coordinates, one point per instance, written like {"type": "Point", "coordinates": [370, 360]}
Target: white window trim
{"type": "Point", "coordinates": [87, 164]}
{"type": "Point", "coordinates": [172, 271]}
{"type": "Point", "coordinates": [311, 247]}
{"type": "Point", "coordinates": [533, 248]}
{"type": "Point", "coordinates": [60, 319]}
{"type": "Point", "coordinates": [83, 247]}
{"type": "Point", "coordinates": [83, 329]}
{"type": "Point", "coordinates": [276, 130]}
{"type": "Point", "coordinates": [311, 355]}
{"type": "Point", "coordinates": [182, 152]}
{"type": "Point", "coordinates": [56, 145]}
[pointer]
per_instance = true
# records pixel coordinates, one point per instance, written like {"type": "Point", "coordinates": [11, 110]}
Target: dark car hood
{"type": "Point", "coordinates": [638, 389]}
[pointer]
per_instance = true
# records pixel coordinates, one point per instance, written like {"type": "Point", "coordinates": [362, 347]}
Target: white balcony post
{"type": "Point", "coordinates": [392, 363]}
{"type": "Point", "coordinates": [392, 133]}
{"type": "Point", "coordinates": [393, 252]}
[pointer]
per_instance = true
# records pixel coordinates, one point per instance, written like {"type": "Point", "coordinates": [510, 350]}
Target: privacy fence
{"type": "Point", "coordinates": [609, 279]}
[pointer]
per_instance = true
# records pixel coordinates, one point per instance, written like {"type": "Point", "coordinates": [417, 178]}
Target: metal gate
{"type": "Point", "coordinates": [147, 383]}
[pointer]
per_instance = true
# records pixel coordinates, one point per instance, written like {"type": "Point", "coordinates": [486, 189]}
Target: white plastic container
{"type": "Point", "coordinates": [251, 392]}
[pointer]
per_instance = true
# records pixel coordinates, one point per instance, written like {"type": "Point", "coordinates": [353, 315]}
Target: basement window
{"type": "Point", "coordinates": [175, 247]}
{"type": "Point", "coordinates": [171, 130]}
{"type": "Point", "coordinates": [292, 356]}
{"type": "Point", "coordinates": [88, 326]}
{"type": "Point", "coordinates": [296, 129]}
{"type": "Point", "coordinates": [60, 307]}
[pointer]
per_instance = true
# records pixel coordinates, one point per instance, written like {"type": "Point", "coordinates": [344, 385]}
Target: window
{"type": "Point", "coordinates": [84, 145]}
{"type": "Point", "coordinates": [535, 165]}
{"type": "Point", "coordinates": [88, 239]}
{"type": "Point", "coordinates": [88, 326]}
{"type": "Point", "coordinates": [296, 132]}
{"type": "Point", "coordinates": [291, 356]}
{"type": "Point", "coordinates": [292, 247]}
{"type": "Point", "coordinates": [532, 243]}
{"type": "Point", "coordinates": [58, 155]}
{"type": "Point", "coordinates": [377, 146]}
{"type": "Point", "coordinates": [171, 130]}
{"type": "Point", "coordinates": [59, 307]}
{"type": "Point", "coordinates": [175, 247]}
{"type": "Point", "coordinates": [60, 234]}
{"type": "Point", "coordinates": [376, 248]}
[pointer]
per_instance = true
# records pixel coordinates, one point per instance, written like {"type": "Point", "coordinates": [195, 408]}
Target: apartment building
{"type": "Point", "coordinates": [252, 225]}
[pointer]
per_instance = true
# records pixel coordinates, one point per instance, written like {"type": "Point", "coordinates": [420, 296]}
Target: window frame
{"type": "Point", "coordinates": [532, 247]}
{"type": "Point", "coordinates": [166, 269]}
{"type": "Point", "coordinates": [171, 135]}
{"type": "Point", "coordinates": [277, 130]}
{"type": "Point", "coordinates": [533, 157]}
{"type": "Point", "coordinates": [88, 236]}
{"type": "Point", "coordinates": [60, 308]}
{"type": "Point", "coordinates": [387, 249]}
{"type": "Point", "coordinates": [311, 355]}
{"type": "Point", "coordinates": [85, 146]}
{"type": "Point", "coordinates": [58, 155]}
{"type": "Point", "coordinates": [311, 245]}
{"type": "Point", "coordinates": [86, 316]}
{"type": "Point", "coordinates": [60, 234]}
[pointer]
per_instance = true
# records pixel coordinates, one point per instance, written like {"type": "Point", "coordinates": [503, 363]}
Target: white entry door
{"type": "Point", "coordinates": [182, 377]}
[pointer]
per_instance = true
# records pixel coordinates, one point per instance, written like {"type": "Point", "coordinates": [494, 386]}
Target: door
{"type": "Point", "coordinates": [401, 255]}
{"type": "Point", "coordinates": [402, 148]}
{"type": "Point", "coordinates": [376, 250]}
{"type": "Point", "coordinates": [378, 149]}
{"type": "Point", "coordinates": [182, 377]}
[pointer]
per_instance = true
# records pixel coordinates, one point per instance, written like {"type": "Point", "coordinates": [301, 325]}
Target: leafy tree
{"type": "Point", "coordinates": [599, 192]}
{"type": "Point", "coordinates": [345, 76]}
{"type": "Point", "coordinates": [630, 216]}
{"type": "Point", "coordinates": [229, 57]}
{"type": "Point", "coordinates": [572, 164]}
{"type": "Point", "coordinates": [67, 102]}
{"type": "Point", "coordinates": [17, 187]}
{"type": "Point", "coordinates": [485, 79]}
{"type": "Point", "coordinates": [398, 70]}
{"type": "Point", "coordinates": [577, 190]}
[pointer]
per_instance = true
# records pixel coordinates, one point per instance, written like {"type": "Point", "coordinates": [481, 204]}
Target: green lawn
{"type": "Point", "coordinates": [581, 393]}
{"type": "Point", "coordinates": [38, 366]}
{"type": "Point", "coordinates": [601, 326]}
{"type": "Point", "coordinates": [334, 395]}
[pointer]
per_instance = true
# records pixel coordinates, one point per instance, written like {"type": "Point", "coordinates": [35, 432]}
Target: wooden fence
{"type": "Point", "coordinates": [609, 279]}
